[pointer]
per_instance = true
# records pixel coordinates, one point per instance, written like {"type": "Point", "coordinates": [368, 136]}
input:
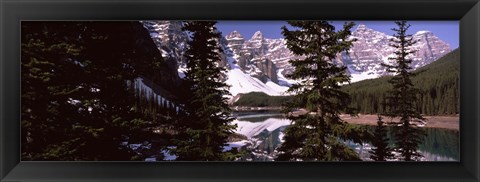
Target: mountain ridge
{"type": "Point", "coordinates": [267, 59]}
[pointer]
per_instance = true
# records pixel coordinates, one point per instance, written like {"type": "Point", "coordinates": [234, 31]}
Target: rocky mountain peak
{"type": "Point", "coordinates": [234, 35]}
{"type": "Point", "coordinates": [257, 36]}
{"type": "Point", "coordinates": [423, 33]}
{"type": "Point", "coordinates": [171, 40]}
{"type": "Point", "coordinates": [361, 27]}
{"type": "Point", "coordinates": [373, 48]}
{"type": "Point", "coordinates": [363, 31]}
{"type": "Point", "coordinates": [428, 48]}
{"type": "Point", "coordinates": [235, 41]}
{"type": "Point", "coordinates": [266, 58]}
{"type": "Point", "coordinates": [253, 55]}
{"type": "Point", "coordinates": [257, 45]}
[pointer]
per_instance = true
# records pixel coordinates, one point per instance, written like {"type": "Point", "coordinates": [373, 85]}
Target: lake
{"type": "Point", "coordinates": [264, 133]}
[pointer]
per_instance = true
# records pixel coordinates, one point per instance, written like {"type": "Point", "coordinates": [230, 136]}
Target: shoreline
{"type": "Point", "coordinates": [445, 122]}
{"type": "Point", "coordinates": [248, 108]}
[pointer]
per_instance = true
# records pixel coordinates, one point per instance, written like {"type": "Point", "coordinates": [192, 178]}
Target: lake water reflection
{"type": "Point", "coordinates": [439, 144]}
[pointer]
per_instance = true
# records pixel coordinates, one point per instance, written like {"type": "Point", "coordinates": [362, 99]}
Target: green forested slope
{"type": "Point", "coordinates": [438, 82]}
{"type": "Point", "coordinates": [260, 99]}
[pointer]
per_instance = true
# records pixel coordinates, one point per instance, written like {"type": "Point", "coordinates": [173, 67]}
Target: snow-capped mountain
{"type": "Point", "coordinates": [242, 82]}
{"type": "Point", "coordinates": [245, 74]}
{"type": "Point", "coordinates": [271, 52]}
{"type": "Point", "coordinates": [251, 55]}
{"type": "Point", "coordinates": [260, 64]}
{"type": "Point", "coordinates": [363, 59]}
{"type": "Point", "coordinates": [372, 48]}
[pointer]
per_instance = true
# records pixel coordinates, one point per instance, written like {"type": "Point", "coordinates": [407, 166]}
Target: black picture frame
{"type": "Point", "coordinates": [12, 12]}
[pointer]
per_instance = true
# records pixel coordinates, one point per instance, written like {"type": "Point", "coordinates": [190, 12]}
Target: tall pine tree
{"type": "Point", "coordinates": [204, 130]}
{"type": "Point", "coordinates": [381, 150]}
{"type": "Point", "coordinates": [319, 134]}
{"type": "Point", "coordinates": [401, 100]}
{"type": "Point", "coordinates": [76, 104]}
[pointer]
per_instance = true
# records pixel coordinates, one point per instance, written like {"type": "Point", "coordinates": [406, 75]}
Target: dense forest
{"type": "Point", "coordinates": [73, 76]}
{"type": "Point", "coordinates": [260, 99]}
{"type": "Point", "coordinates": [438, 83]}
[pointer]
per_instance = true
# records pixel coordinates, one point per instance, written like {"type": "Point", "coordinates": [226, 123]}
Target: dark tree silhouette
{"type": "Point", "coordinates": [204, 130]}
{"type": "Point", "coordinates": [401, 100]}
{"type": "Point", "coordinates": [76, 103]}
{"type": "Point", "coordinates": [319, 134]}
{"type": "Point", "coordinates": [381, 150]}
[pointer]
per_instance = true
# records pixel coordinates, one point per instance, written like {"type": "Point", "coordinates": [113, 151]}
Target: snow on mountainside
{"type": "Point", "coordinates": [364, 58]}
{"type": "Point", "coordinates": [258, 75]}
{"type": "Point", "coordinates": [242, 82]}
{"type": "Point", "coordinates": [260, 64]}
{"type": "Point", "coordinates": [251, 57]}
{"type": "Point", "coordinates": [372, 48]}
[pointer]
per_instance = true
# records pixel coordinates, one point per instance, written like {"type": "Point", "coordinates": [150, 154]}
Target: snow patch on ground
{"type": "Point", "coordinates": [181, 72]}
{"type": "Point", "coordinates": [168, 156]}
{"type": "Point", "coordinates": [280, 137]}
{"type": "Point", "coordinates": [237, 145]}
{"type": "Point", "coordinates": [150, 159]}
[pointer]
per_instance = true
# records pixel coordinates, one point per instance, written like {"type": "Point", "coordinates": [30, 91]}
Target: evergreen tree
{"type": "Point", "coordinates": [76, 101]}
{"type": "Point", "coordinates": [401, 100]}
{"type": "Point", "coordinates": [381, 152]}
{"type": "Point", "coordinates": [41, 55]}
{"type": "Point", "coordinates": [319, 136]}
{"type": "Point", "coordinates": [204, 130]}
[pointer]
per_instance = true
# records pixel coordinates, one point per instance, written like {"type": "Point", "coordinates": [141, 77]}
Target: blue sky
{"type": "Point", "coordinates": [445, 30]}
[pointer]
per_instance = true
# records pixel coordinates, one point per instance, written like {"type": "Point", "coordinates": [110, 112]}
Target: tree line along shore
{"type": "Point", "coordinates": [451, 122]}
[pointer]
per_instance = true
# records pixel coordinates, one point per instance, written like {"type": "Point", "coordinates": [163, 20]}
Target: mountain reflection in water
{"type": "Point", "coordinates": [439, 144]}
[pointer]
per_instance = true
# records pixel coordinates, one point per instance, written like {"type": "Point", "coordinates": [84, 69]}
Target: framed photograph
{"type": "Point", "coordinates": [239, 90]}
